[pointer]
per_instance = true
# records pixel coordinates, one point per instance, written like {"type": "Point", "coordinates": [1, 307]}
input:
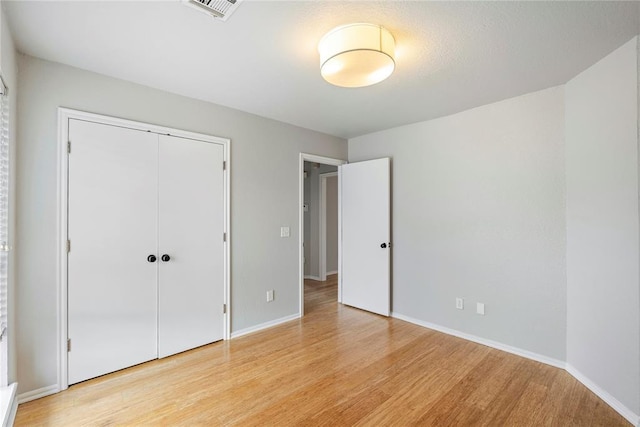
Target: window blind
{"type": "Point", "coordinates": [4, 205]}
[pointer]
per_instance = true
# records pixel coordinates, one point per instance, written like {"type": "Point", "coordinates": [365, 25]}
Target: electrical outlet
{"type": "Point", "coordinates": [459, 303]}
{"type": "Point", "coordinates": [285, 232]}
{"type": "Point", "coordinates": [270, 295]}
{"type": "Point", "coordinates": [480, 308]}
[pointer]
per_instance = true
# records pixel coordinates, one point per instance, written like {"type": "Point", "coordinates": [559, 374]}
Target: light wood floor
{"type": "Point", "coordinates": [337, 366]}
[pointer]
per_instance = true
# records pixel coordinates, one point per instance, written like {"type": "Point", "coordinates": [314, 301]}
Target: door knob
{"type": "Point", "coordinates": [165, 258]}
{"type": "Point", "coordinates": [151, 258]}
{"type": "Point", "coordinates": [383, 246]}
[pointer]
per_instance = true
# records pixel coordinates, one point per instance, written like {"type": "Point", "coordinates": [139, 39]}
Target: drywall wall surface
{"type": "Point", "coordinates": [311, 197]}
{"type": "Point", "coordinates": [9, 67]}
{"type": "Point", "coordinates": [332, 224]}
{"type": "Point", "coordinates": [264, 196]}
{"type": "Point", "coordinates": [312, 217]}
{"type": "Point", "coordinates": [603, 248]}
{"type": "Point", "coordinates": [307, 219]}
{"type": "Point", "coordinates": [478, 213]}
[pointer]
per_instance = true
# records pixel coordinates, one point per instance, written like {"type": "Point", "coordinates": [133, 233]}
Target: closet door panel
{"type": "Point", "coordinates": [191, 225]}
{"type": "Point", "coordinates": [112, 288]}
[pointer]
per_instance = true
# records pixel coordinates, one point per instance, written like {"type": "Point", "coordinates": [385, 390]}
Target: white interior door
{"type": "Point", "coordinates": [191, 226]}
{"type": "Point", "coordinates": [365, 205]}
{"type": "Point", "coordinates": [112, 287]}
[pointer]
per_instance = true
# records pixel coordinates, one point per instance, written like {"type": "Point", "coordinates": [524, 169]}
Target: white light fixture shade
{"type": "Point", "coordinates": [357, 55]}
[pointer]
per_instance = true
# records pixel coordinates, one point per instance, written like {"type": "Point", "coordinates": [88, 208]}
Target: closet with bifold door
{"type": "Point", "coordinates": [146, 263]}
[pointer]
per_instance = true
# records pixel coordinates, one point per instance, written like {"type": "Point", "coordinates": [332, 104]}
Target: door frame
{"type": "Point", "coordinates": [322, 224]}
{"type": "Point", "coordinates": [304, 157]}
{"type": "Point", "coordinates": [66, 114]}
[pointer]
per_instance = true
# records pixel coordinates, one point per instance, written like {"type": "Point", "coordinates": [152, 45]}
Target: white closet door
{"type": "Point", "coordinates": [191, 225]}
{"type": "Point", "coordinates": [112, 287]}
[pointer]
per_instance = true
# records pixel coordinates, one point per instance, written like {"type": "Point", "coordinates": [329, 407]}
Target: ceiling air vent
{"type": "Point", "coordinates": [219, 9]}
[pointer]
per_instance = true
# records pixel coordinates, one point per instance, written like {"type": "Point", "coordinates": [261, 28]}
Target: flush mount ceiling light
{"type": "Point", "coordinates": [357, 55]}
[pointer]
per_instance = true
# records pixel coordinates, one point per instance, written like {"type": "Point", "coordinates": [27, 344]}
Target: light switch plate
{"type": "Point", "coordinates": [285, 232]}
{"type": "Point", "coordinates": [480, 308]}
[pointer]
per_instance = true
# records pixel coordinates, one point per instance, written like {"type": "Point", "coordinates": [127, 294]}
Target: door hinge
{"type": "Point", "coordinates": [224, 166]}
{"type": "Point", "coordinates": [69, 345]}
{"type": "Point", "coordinates": [69, 147]}
{"type": "Point", "coordinates": [68, 246]}
{"type": "Point", "coordinates": [224, 308]}
{"type": "Point", "coordinates": [224, 237]}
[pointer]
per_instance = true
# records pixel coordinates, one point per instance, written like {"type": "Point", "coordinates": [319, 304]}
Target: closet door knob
{"type": "Point", "coordinates": [165, 258]}
{"type": "Point", "coordinates": [151, 258]}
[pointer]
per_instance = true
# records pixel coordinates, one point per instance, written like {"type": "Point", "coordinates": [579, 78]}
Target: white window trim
{"type": "Point", "coordinates": [8, 399]}
{"type": "Point", "coordinates": [4, 230]}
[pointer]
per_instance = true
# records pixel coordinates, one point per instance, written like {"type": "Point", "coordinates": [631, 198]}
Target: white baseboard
{"type": "Point", "coordinates": [308, 276]}
{"type": "Point", "coordinates": [489, 343]}
{"type": "Point", "coordinates": [329, 273]}
{"type": "Point", "coordinates": [619, 407]}
{"type": "Point", "coordinates": [8, 404]}
{"type": "Point", "coordinates": [37, 394]}
{"type": "Point", "coordinates": [265, 325]}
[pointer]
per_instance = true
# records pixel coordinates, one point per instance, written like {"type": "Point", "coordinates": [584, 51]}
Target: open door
{"type": "Point", "coordinates": [365, 205]}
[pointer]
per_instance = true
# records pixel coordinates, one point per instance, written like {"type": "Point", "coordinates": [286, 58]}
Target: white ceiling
{"type": "Point", "coordinates": [451, 56]}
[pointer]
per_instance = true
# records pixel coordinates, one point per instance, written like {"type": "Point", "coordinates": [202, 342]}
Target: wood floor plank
{"type": "Point", "coordinates": [337, 366]}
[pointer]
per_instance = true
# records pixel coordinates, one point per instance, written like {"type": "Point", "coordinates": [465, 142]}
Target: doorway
{"type": "Point", "coordinates": [320, 234]}
{"type": "Point", "coordinates": [364, 239]}
{"type": "Point", "coordinates": [319, 225]}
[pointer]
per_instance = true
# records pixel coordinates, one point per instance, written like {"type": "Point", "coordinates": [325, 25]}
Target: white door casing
{"type": "Point", "coordinates": [365, 205]}
{"type": "Point", "coordinates": [190, 232]}
{"type": "Point", "coordinates": [67, 148]}
{"type": "Point", "coordinates": [111, 286]}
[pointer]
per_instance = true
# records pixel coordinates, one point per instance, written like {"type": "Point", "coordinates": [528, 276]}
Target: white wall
{"type": "Point", "coordinates": [311, 221]}
{"type": "Point", "coordinates": [8, 65]}
{"type": "Point", "coordinates": [312, 217]}
{"type": "Point", "coordinates": [479, 213]}
{"type": "Point", "coordinates": [264, 197]}
{"type": "Point", "coordinates": [603, 248]}
{"type": "Point", "coordinates": [307, 220]}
